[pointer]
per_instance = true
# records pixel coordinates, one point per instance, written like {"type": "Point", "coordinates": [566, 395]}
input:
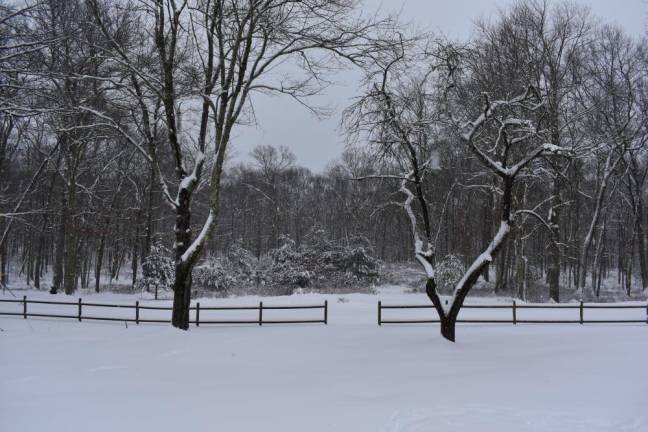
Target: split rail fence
{"type": "Point", "coordinates": [197, 309]}
{"type": "Point", "coordinates": [514, 307]}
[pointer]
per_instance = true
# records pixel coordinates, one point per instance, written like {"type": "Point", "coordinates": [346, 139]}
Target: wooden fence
{"type": "Point", "coordinates": [514, 314]}
{"type": "Point", "coordinates": [260, 320]}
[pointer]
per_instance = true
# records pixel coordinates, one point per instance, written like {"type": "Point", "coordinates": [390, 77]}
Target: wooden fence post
{"type": "Point", "coordinates": [137, 312]}
{"type": "Point", "coordinates": [514, 313]}
{"type": "Point", "coordinates": [261, 313]}
{"type": "Point", "coordinates": [198, 314]}
{"type": "Point", "coordinates": [326, 312]}
{"type": "Point", "coordinates": [79, 309]}
{"type": "Point", "coordinates": [581, 312]}
{"type": "Point", "coordinates": [379, 312]}
{"type": "Point", "coordinates": [25, 307]}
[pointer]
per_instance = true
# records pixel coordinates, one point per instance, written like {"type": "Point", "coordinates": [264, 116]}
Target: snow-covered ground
{"type": "Point", "coordinates": [62, 375]}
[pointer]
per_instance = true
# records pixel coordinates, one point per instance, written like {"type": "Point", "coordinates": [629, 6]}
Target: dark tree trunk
{"type": "Point", "coordinates": [181, 296]}
{"type": "Point", "coordinates": [149, 217]}
{"type": "Point", "coordinates": [40, 253]}
{"type": "Point", "coordinates": [135, 247]}
{"type": "Point", "coordinates": [183, 268]}
{"type": "Point", "coordinates": [641, 246]}
{"type": "Point", "coordinates": [448, 328]}
{"type": "Point", "coordinates": [553, 268]}
{"type": "Point", "coordinates": [59, 252]}
{"type": "Point", "coordinates": [520, 267]}
{"type": "Point", "coordinates": [70, 270]}
{"type": "Point", "coordinates": [447, 322]}
{"type": "Point", "coordinates": [99, 260]}
{"type": "Point", "coordinates": [4, 272]}
{"type": "Point", "coordinates": [487, 218]}
{"type": "Point", "coordinates": [501, 271]}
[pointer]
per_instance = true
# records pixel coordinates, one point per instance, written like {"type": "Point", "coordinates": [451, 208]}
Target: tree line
{"type": "Point", "coordinates": [522, 152]}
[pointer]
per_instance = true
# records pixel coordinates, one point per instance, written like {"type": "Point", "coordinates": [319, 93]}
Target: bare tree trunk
{"type": "Point", "coordinates": [100, 253]}
{"type": "Point", "coordinates": [4, 268]}
{"type": "Point", "coordinates": [553, 258]}
{"type": "Point", "coordinates": [70, 270]}
{"type": "Point", "coordinates": [149, 216]}
{"type": "Point", "coordinates": [135, 247]}
{"type": "Point", "coordinates": [641, 244]}
{"type": "Point", "coordinates": [597, 257]}
{"type": "Point", "coordinates": [487, 227]}
{"type": "Point", "coordinates": [520, 270]}
{"type": "Point", "coordinates": [59, 252]}
{"type": "Point", "coordinates": [449, 318]}
{"type": "Point", "coordinates": [183, 268]}
{"type": "Point", "coordinates": [501, 271]}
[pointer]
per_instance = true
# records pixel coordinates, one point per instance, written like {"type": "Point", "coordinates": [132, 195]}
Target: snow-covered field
{"type": "Point", "coordinates": [62, 375]}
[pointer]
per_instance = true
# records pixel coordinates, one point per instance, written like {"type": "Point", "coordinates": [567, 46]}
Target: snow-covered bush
{"type": "Point", "coordinates": [447, 272]}
{"type": "Point", "coordinates": [241, 260]}
{"type": "Point", "coordinates": [321, 263]}
{"type": "Point", "coordinates": [157, 270]}
{"type": "Point", "coordinates": [213, 275]}
{"type": "Point", "coordinates": [224, 275]}
{"type": "Point", "coordinates": [288, 266]}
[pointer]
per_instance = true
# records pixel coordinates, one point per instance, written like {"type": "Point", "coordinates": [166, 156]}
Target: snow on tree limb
{"type": "Point", "coordinates": [199, 242]}
{"type": "Point", "coordinates": [422, 253]}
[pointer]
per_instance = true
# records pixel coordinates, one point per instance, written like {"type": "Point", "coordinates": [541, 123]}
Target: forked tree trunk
{"type": "Point", "coordinates": [447, 322]}
{"type": "Point", "coordinates": [449, 319]}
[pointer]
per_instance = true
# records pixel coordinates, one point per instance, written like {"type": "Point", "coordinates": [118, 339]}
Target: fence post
{"type": "Point", "coordinates": [379, 312]}
{"type": "Point", "coordinates": [198, 314]}
{"type": "Point", "coordinates": [261, 313]}
{"type": "Point", "coordinates": [25, 307]}
{"type": "Point", "coordinates": [137, 312]}
{"type": "Point", "coordinates": [79, 309]}
{"type": "Point", "coordinates": [581, 312]}
{"type": "Point", "coordinates": [326, 312]}
{"type": "Point", "coordinates": [514, 313]}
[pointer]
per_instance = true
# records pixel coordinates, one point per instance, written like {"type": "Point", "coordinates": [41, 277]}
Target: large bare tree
{"type": "Point", "coordinates": [213, 56]}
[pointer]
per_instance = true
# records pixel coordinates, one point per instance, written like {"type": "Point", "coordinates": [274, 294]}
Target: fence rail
{"type": "Point", "coordinates": [260, 320]}
{"type": "Point", "coordinates": [514, 314]}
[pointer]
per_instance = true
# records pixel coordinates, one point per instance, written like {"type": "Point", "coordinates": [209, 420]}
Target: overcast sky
{"type": "Point", "coordinates": [281, 121]}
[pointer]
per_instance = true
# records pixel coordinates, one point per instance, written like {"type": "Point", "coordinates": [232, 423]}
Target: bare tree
{"type": "Point", "coordinates": [215, 54]}
{"type": "Point", "coordinates": [400, 114]}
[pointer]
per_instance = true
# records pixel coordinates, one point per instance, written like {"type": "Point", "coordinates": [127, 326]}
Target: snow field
{"type": "Point", "coordinates": [62, 375]}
